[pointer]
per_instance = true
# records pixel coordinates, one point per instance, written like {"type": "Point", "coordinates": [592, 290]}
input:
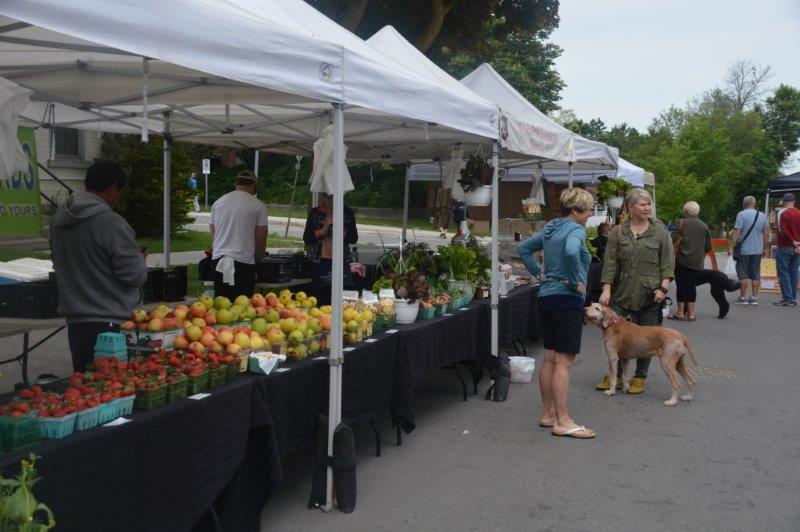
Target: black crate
{"type": "Point", "coordinates": [165, 285]}
{"type": "Point", "coordinates": [300, 266]}
{"type": "Point", "coordinates": [37, 300]}
{"type": "Point", "coordinates": [273, 270]}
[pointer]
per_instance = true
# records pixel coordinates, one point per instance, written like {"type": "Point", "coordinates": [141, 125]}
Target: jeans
{"type": "Point", "coordinates": [787, 262]}
{"type": "Point", "coordinates": [644, 316]}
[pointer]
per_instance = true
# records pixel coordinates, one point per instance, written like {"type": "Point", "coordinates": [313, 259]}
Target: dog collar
{"type": "Point", "coordinates": [616, 321]}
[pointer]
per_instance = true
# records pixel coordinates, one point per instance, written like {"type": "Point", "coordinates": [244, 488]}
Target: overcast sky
{"type": "Point", "coordinates": [626, 60]}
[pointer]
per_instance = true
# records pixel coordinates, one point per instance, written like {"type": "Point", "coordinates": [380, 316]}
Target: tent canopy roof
{"type": "Point", "coordinates": [278, 63]}
{"type": "Point", "coordinates": [522, 124]}
{"type": "Point", "coordinates": [787, 182]}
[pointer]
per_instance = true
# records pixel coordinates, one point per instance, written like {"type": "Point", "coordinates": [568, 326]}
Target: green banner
{"type": "Point", "coordinates": [20, 203]}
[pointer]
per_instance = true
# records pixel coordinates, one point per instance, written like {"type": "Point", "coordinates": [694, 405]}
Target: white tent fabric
{"type": "Point", "coordinates": [635, 175]}
{"type": "Point", "coordinates": [13, 100]}
{"type": "Point", "coordinates": [323, 172]}
{"type": "Point", "coordinates": [560, 175]}
{"type": "Point", "coordinates": [523, 128]}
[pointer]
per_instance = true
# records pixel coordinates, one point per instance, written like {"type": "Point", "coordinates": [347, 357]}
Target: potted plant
{"type": "Point", "coordinates": [613, 192]}
{"type": "Point", "coordinates": [407, 270]}
{"type": "Point", "coordinates": [19, 510]}
{"type": "Point", "coordinates": [465, 266]}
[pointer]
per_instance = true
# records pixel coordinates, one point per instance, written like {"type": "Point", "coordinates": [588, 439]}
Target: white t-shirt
{"type": "Point", "coordinates": [235, 217]}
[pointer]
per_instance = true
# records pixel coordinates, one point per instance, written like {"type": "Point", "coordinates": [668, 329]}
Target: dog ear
{"type": "Point", "coordinates": [608, 315]}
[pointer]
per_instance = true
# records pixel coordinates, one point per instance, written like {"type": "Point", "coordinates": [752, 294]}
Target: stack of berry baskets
{"type": "Point", "coordinates": [151, 393]}
{"type": "Point", "coordinates": [177, 385]}
{"type": "Point", "coordinates": [19, 427]}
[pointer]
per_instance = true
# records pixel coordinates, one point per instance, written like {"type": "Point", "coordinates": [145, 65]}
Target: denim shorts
{"type": "Point", "coordinates": [749, 267]}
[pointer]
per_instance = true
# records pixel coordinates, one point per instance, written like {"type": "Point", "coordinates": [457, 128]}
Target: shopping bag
{"type": "Point", "coordinates": [730, 268]}
{"type": "Point", "coordinates": [522, 369]}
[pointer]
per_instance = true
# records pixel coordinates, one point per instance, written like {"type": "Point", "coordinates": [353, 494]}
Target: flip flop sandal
{"type": "Point", "coordinates": [572, 433]}
{"type": "Point", "coordinates": [692, 318]}
{"type": "Point", "coordinates": [676, 317]}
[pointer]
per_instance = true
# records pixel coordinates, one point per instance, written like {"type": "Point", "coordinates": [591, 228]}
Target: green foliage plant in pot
{"type": "Point", "coordinates": [19, 509]}
{"type": "Point", "coordinates": [613, 192]}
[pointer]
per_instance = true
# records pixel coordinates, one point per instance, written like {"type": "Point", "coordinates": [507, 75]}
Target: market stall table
{"type": "Point", "coordinates": [165, 469]}
{"type": "Point", "coordinates": [24, 326]}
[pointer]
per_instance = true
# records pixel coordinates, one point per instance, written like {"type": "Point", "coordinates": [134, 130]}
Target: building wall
{"type": "Point", "coordinates": [71, 170]}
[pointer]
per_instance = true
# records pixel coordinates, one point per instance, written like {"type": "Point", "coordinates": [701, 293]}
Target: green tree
{"type": "Point", "coordinates": [781, 113]}
{"type": "Point", "coordinates": [143, 199]}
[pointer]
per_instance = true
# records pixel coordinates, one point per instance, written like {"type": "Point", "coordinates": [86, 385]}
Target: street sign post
{"type": "Point", "coordinates": [206, 171]}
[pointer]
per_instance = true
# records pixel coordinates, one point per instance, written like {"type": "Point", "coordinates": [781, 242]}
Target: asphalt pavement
{"type": "Point", "coordinates": [729, 460]}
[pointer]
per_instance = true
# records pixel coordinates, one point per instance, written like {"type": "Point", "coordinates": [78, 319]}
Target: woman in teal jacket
{"type": "Point", "coordinates": [561, 298]}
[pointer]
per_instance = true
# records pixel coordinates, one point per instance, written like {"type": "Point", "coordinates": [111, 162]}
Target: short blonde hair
{"type": "Point", "coordinates": [576, 199]}
{"type": "Point", "coordinates": [691, 208]}
{"type": "Point", "coordinates": [636, 195]}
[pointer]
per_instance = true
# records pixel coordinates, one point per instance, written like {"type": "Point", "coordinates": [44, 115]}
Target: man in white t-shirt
{"type": "Point", "coordinates": [238, 237]}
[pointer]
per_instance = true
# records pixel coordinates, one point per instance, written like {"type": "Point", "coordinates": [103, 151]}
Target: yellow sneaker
{"type": "Point", "coordinates": [606, 384]}
{"type": "Point", "coordinates": [637, 385]}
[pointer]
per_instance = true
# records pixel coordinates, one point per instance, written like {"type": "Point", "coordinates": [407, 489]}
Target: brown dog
{"type": "Point", "coordinates": [626, 340]}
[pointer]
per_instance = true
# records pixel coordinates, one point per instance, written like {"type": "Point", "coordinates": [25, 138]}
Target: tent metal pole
{"type": "Point", "coordinates": [255, 163]}
{"type": "Point", "coordinates": [495, 253]}
{"type": "Point", "coordinates": [766, 206]}
{"type": "Point", "coordinates": [167, 186]}
{"type": "Point", "coordinates": [405, 205]}
{"type": "Point", "coordinates": [335, 358]}
{"type": "Point", "coordinates": [570, 174]}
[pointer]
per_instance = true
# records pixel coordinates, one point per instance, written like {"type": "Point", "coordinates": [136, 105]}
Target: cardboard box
{"type": "Point", "coordinates": [153, 341]}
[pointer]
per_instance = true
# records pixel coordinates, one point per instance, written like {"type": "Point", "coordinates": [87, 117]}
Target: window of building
{"type": "Point", "coordinates": [69, 142]}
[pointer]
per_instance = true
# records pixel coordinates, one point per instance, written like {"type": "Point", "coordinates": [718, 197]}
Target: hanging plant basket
{"type": "Point", "coordinates": [615, 202]}
{"type": "Point", "coordinates": [480, 197]}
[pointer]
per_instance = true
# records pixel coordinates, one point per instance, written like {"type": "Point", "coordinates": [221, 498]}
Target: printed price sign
{"type": "Point", "coordinates": [367, 296]}
{"type": "Point", "coordinates": [386, 292]}
{"type": "Point", "coordinates": [350, 295]}
{"type": "Point", "coordinates": [206, 166]}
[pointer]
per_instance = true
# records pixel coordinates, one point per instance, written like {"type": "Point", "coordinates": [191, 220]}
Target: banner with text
{"type": "Point", "coordinates": [20, 203]}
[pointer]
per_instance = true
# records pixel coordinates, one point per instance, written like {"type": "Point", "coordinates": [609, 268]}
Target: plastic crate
{"type": "Point", "coordinates": [234, 369]}
{"type": "Point", "coordinates": [57, 427]}
{"type": "Point", "coordinates": [197, 383]}
{"type": "Point", "coordinates": [110, 342]}
{"type": "Point", "coordinates": [274, 270]}
{"type": "Point", "coordinates": [38, 300]}
{"type": "Point", "coordinates": [107, 412]}
{"type": "Point", "coordinates": [175, 283]}
{"type": "Point", "coordinates": [217, 376]}
{"type": "Point", "coordinates": [122, 356]}
{"type": "Point", "coordinates": [19, 432]}
{"type": "Point", "coordinates": [177, 390]}
{"type": "Point", "coordinates": [150, 398]}
{"type": "Point", "coordinates": [426, 313]}
{"type": "Point", "coordinates": [299, 267]}
{"type": "Point", "coordinates": [88, 418]}
{"type": "Point", "coordinates": [124, 405]}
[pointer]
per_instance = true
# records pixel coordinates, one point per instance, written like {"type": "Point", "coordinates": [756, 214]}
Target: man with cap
{"type": "Point", "coordinates": [787, 256]}
{"type": "Point", "coordinates": [238, 227]}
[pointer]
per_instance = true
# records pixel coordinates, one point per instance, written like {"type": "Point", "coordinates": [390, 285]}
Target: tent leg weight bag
{"type": "Point", "coordinates": [500, 374]}
{"type": "Point", "coordinates": [344, 468]}
{"type": "Point", "coordinates": [318, 475]}
{"type": "Point", "coordinates": [343, 463]}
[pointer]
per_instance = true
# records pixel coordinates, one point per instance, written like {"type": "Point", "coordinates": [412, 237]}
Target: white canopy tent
{"type": "Point", "coordinates": [271, 75]}
{"type": "Point", "coordinates": [523, 125]}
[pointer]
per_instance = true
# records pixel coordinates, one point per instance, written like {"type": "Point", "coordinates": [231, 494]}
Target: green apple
{"type": "Point", "coordinates": [225, 316]}
{"type": "Point", "coordinates": [260, 326]}
{"type": "Point", "coordinates": [222, 302]}
{"type": "Point", "coordinates": [242, 301]}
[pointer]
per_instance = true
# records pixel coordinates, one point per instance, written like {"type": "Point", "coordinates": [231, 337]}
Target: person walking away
{"type": "Point", "coordinates": [693, 242]}
{"type": "Point", "coordinates": [637, 269]}
{"type": "Point", "coordinates": [787, 256]}
{"type": "Point", "coordinates": [751, 236]}
{"type": "Point", "coordinates": [561, 298]}
{"type": "Point", "coordinates": [238, 227]}
{"type": "Point", "coordinates": [195, 200]}
{"type": "Point", "coordinates": [98, 265]}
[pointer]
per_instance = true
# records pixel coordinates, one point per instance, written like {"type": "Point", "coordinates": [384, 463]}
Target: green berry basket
{"type": "Point", "coordinates": [177, 390]}
{"type": "Point", "coordinates": [150, 398]}
{"type": "Point", "coordinates": [18, 432]}
{"type": "Point", "coordinates": [217, 376]}
{"type": "Point", "coordinates": [197, 383]}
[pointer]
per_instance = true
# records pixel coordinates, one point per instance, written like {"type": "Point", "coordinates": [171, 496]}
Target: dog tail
{"type": "Point", "coordinates": [690, 349]}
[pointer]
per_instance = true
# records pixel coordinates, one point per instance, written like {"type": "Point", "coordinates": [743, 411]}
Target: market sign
{"type": "Point", "coordinates": [20, 203]}
{"type": "Point", "coordinates": [524, 137]}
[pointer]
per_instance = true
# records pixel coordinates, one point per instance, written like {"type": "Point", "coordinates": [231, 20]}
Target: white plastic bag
{"type": "Point", "coordinates": [522, 369]}
{"type": "Point", "coordinates": [730, 268]}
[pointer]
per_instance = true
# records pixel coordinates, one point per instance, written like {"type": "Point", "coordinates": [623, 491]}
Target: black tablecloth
{"type": "Point", "coordinates": [165, 469]}
{"type": "Point", "coordinates": [296, 397]}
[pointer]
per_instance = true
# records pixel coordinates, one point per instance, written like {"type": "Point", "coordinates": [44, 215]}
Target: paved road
{"type": "Point", "coordinates": [730, 460]}
{"type": "Point", "coordinates": [367, 234]}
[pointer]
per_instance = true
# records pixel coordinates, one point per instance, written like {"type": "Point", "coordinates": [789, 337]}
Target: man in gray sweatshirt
{"type": "Point", "coordinates": [99, 266]}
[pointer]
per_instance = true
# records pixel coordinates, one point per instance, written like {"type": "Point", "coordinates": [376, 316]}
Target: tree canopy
{"type": "Point", "coordinates": [718, 148]}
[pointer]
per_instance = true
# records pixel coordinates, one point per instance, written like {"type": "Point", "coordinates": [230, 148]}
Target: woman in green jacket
{"type": "Point", "coordinates": [638, 267]}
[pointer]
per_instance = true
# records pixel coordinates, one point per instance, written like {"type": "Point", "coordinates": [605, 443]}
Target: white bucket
{"type": "Point", "coordinates": [522, 369]}
{"type": "Point", "coordinates": [406, 312]}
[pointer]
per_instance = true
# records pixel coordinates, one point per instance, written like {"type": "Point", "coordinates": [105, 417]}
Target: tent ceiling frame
{"type": "Point", "coordinates": [278, 122]}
